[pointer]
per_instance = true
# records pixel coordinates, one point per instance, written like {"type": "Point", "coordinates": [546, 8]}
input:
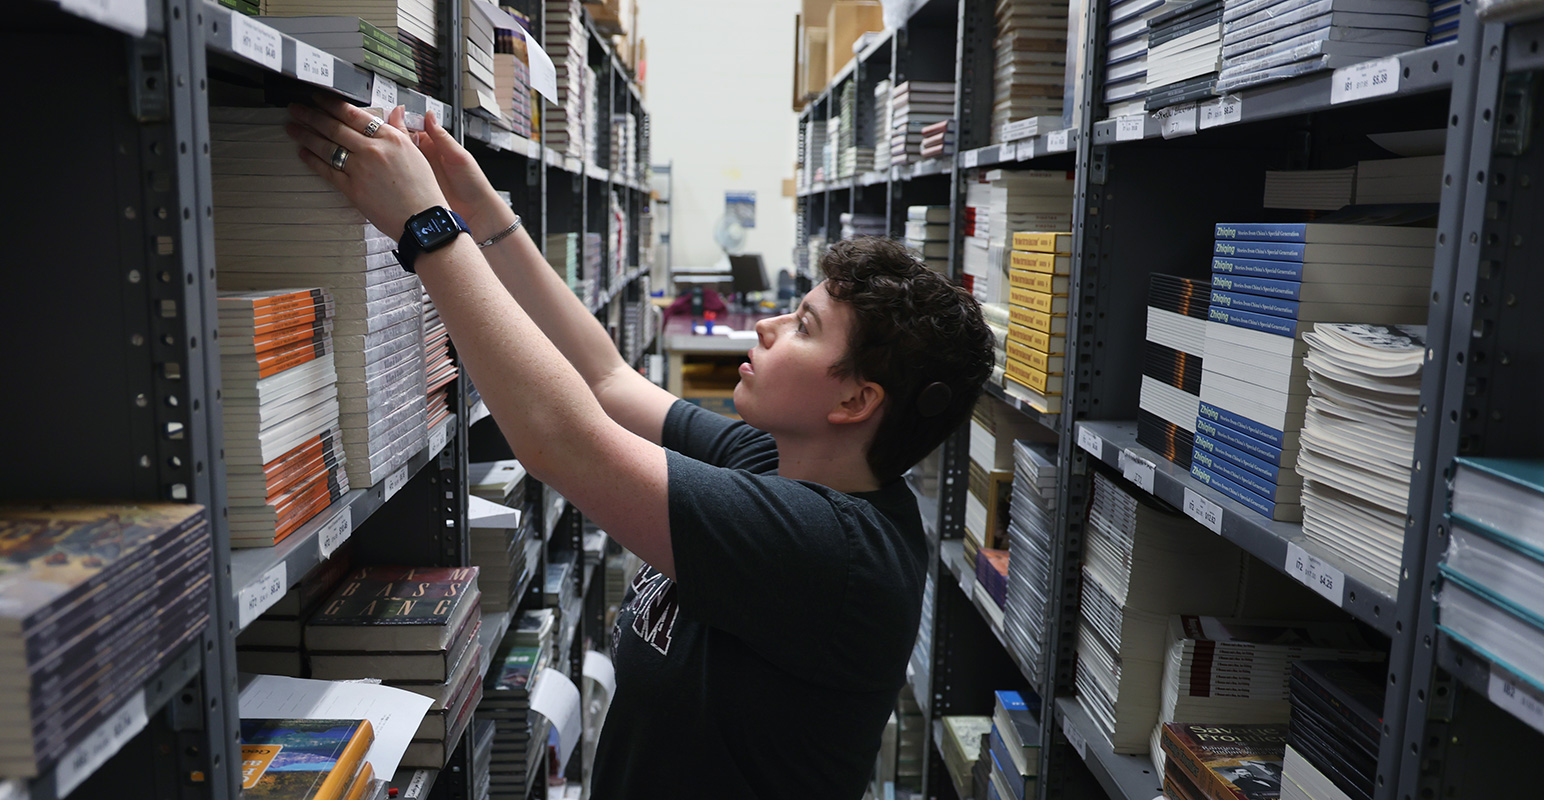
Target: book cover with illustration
{"type": "Point", "coordinates": [301, 759]}
{"type": "Point", "coordinates": [1228, 762]}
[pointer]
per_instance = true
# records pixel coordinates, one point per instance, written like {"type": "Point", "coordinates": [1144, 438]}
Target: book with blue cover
{"type": "Point", "coordinates": [302, 759]}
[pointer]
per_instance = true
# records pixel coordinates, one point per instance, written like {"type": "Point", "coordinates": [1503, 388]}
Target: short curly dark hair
{"type": "Point", "coordinates": [912, 327]}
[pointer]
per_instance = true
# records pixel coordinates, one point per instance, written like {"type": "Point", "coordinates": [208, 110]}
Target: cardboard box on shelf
{"type": "Point", "coordinates": [812, 61]}
{"type": "Point", "coordinates": [846, 21]}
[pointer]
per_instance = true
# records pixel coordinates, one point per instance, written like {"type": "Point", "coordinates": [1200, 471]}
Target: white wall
{"type": "Point", "coordinates": [719, 81]}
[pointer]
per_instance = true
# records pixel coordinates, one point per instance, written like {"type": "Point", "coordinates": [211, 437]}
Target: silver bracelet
{"type": "Point", "coordinates": [494, 239]}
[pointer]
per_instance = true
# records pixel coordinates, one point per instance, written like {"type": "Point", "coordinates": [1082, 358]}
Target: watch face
{"type": "Point", "coordinates": [433, 228]}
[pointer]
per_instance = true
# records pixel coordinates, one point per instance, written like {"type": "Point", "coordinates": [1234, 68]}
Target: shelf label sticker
{"type": "Point", "coordinates": [128, 16]}
{"type": "Point", "coordinates": [1075, 738]}
{"type": "Point", "coordinates": [335, 533]}
{"type": "Point", "coordinates": [438, 439]}
{"type": "Point", "coordinates": [478, 412]}
{"type": "Point", "coordinates": [967, 579]}
{"type": "Point", "coordinates": [395, 481]}
{"type": "Point", "coordinates": [1130, 128]}
{"type": "Point", "coordinates": [434, 106]}
{"type": "Point", "coordinates": [1137, 469]}
{"type": "Point", "coordinates": [256, 41]}
{"type": "Point", "coordinates": [1176, 121]}
{"type": "Point", "coordinates": [1203, 511]}
{"type": "Point", "coordinates": [1058, 141]}
{"type": "Point", "coordinates": [415, 787]}
{"type": "Point", "coordinates": [970, 159]}
{"type": "Point", "coordinates": [1368, 79]}
{"type": "Point", "coordinates": [260, 595]}
{"type": "Point", "coordinates": [1520, 699]}
{"type": "Point", "coordinates": [82, 760]}
{"type": "Point", "coordinates": [383, 93]}
{"type": "Point", "coordinates": [1317, 575]}
{"type": "Point", "coordinates": [1225, 110]}
{"type": "Point", "coordinates": [1026, 150]}
{"type": "Point", "coordinates": [313, 64]}
{"type": "Point", "coordinates": [1090, 441]}
{"type": "Point", "coordinates": [14, 789]}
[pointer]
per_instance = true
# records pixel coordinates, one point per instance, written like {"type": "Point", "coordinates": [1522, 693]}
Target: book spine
{"type": "Point", "coordinates": [1277, 251]}
{"type": "Point", "coordinates": [1210, 427]}
{"type": "Point", "coordinates": [1255, 304]}
{"type": "Point", "coordinates": [1060, 243]}
{"type": "Point", "coordinates": [347, 765]}
{"type": "Point", "coordinates": [1263, 231]}
{"type": "Point", "coordinates": [1036, 262]}
{"type": "Point", "coordinates": [1267, 323]}
{"type": "Point", "coordinates": [1265, 287]}
{"type": "Point", "coordinates": [1257, 268]}
{"type": "Point", "coordinates": [1037, 281]}
{"type": "Point", "coordinates": [1342, 706]}
{"type": "Point", "coordinates": [1044, 362]}
{"type": "Point", "coordinates": [1033, 378]}
{"type": "Point", "coordinates": [1233, 490]}
{"type": "Point", "coordinates": [1256, 466]}
{"type": "Point", "coordinates": [1246, 479]}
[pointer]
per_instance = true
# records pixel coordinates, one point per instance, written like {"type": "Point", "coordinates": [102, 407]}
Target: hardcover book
{"type": "Point", "coordinates": [302, 759]}
{"type": "Point", "coordinates": [395, 609]}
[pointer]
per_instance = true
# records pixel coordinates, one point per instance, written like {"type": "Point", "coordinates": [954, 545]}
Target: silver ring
{"type": "Point", "coordinates": [375, 125]}
{"type": "Point", "coordinates": [339, 158]}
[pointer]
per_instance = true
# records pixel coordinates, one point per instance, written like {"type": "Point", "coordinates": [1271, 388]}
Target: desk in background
{"type": "Point", "coordinates": [683, 346]}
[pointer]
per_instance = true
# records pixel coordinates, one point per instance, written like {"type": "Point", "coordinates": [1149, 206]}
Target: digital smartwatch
{"type": "Point", "coordinates": [426, 232]}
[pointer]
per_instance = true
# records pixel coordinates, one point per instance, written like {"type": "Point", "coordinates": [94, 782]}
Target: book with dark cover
{"type": "Point", "coordinates": [1228, 762]}
{"type": "Point", "coordinates": [302, 759]}
{"type": "Point", "coordinates": [395, 609]}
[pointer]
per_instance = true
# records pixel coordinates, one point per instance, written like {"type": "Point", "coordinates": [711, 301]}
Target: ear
{"type": "Point", "coordinates": [863, 402]}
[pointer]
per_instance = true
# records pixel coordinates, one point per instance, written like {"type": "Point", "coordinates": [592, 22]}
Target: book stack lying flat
{"type": "Point", "coordinates": [589, 286]}
{"type": "Point", "coordinates": [498, 550]}
{"type": "Point", "coordinates": [1315, 189]}
{"type": "Point", "coordinates": [852, 157]}
{"type": "Point", "coordinates": [1184, 52]}
{"type": "Point", "coordinates": [881, 132]}
{"type": "Point", "coordinates": [482, 735]}
{"type": "Point", "coordinates": [591, 117]}
{"type": "Point", "coordinates": [512, 76]}
{"type": "Point", "coordinates": [97, 598]}
{"type": "Point", "coordinates": [1269, 40]}
{"type": "Point", "coordinates": [833, 140]}
{"type": "Point", "coordinates": [1490, 598]}
{"type": "Point", "coordinates": [562, 253]}
{"type": "Point", "coordinates": [927, 235]}
{"type": "Point", "coordinates": [501, 482]}
{"type": "Point", "coordinates": [1236, 672]}
{"type": "Point", "coordinates": [1270, 283]}
{"type": "Point", "coordinates": [854, 225]}
{"type": "Point", "coordinates": [1032, 514]}
{"type": "Point", "coordinates": [439, 368]}
{"type": "Point", "coordinates": [568, 44]}
{"type": "Point", "coordinates": [520, 739]}
{"type": "Point", "coordinates": [412, 23]}
{"type": "Point", "coordinates": [814, 151]}
{"type": "Point", "coordinates": [411, 627]}
{"type": "Point", "coordinates": [1014, 748]}
{"type": "Point", "coordinates": [1337, 719]}
{"type": "Point", "coordinates": [1222, 761]}
{"type": "Point", "coordinates": [355, 40]}
{"type": "Point", "coordinates": [920, 668]}
{"type": "Point", "coordinates": [480, 89]}
{"type": "Point", "coordinates": [1399, 180]}
{"type": "Point", "coordinates": [983, 281]}
{"type": "Point", "coordinates": [1139, 568]}
{"type": "Point", "coordinates": [274, 643]}
{"type": "Point", "coordinates": [1442, 20]}
{"type": "Point", "coordinates": [1358, 441]}
{"type": "Point", "coordinates": [1171, 367]}
{"type": "Point", "coordinates": [624, 146]}
{"type": "Point", "coordinates": [993, 429]}
{"type": "Point", "coordinates": [1037, 330]}
{"type": "Point", "coordinates": [1029, 62]}
{"type": "Point", "coordinates": [914, 106]}
{"type": "Point", "coordinates": [560, 591]}
{"type": "Point", "coordinates": [1023, 200]}
{"type": "Point", "coordinates": [309, 758]}
{"type": "Point", "coordinates": [1125, 78]}
{"type": "Point", "coordinates": [283, 444]}
{"type": "Point", "coordinates": [937, 140]}
{"type": "Point", "coordinates": [279, 225]}
{"type": "Point", "coordinates": [251, 8]}
{"type": "Point", "coordinates": [962, 749]}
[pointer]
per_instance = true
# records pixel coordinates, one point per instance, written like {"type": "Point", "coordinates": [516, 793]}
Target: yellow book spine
{"type": "Point", "coordinates": [1033, 378]}
{"type": "Point", "coordinates": [361, 784]}
{"type": "Point", "coordinates": [1045, 362]}
{"type": "Point", "coordinates": [1038, 320]}
{"type": "Point", "coordinates": [1039, 340]}
{"type": "Point", "coordinates": [1043, 242]}
{"type": "Point", "coordinates": [1038, 281]}
{"type": "Point", "coordinates": [343, 772]}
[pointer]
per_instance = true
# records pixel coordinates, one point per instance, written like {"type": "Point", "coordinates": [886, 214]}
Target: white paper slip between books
{"type": "Point", "coordinates": [394, 714]}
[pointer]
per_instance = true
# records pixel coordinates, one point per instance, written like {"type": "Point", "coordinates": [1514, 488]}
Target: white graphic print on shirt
{"type": "Point", "coordinates": [654, 608]}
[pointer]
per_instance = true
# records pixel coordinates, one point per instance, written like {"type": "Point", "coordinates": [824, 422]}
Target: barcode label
{"type": "Point", "coordinates": [1026, 150]}
{"type": "Point", "coordinates": [1521, 700]}
{"type": "Point", "coordinates": [383, 93]}
{"type": "Point", "coordinates": [1312, 572]}
{"type": "Point", "coordinates": [128, 16]}
{"type": "Point", "coordinates": [1224, 110]}
{"type": "Point", "coordinates": [1177, 121]}
{"type": "Point", "coordinates": [312, 64]}
{"type": "Point", "coordinates": [415, 787]}
{"type": "Point", "coordinates": [395, 481]}
{"type": "Point", "coordinates": [1130, 128]}
{"type": "Point", "coordinates": [438, 439]}
{"type": "Point", "coordinates": [1090, 441]}
{"type": "Point", "coordinates": [1368, 79]}
{"type": "Point", "coordinates": [1058, 142]}
{"type": "Point", "coordinates": [1203, 511]}
{"type": "Point", "coordinates": [1075, 738]}
{"type": "Point", "coordinates": [109, 737]}
{"type": "Point", "coordinates": [335, 533]}
{"type": "Point", "coordinates": [970, 159]}
{"type": "Point", "coordinates": [503, 140]}
{"type": "Point", "coordinates": [256, 41]}
{"type": "Point", "coordinates": [260, 595]}
{"type": "Point", "coordinates": [1137, 469]}
{"type": "Point", "coordinates": [438, 109]}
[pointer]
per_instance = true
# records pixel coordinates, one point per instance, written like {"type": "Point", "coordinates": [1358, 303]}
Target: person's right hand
{"type": "Point", "coordinates": [463, 182]}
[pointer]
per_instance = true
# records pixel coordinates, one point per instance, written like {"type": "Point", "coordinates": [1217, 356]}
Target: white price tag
{"type": "Point", "coordinates": [335, 533]}
{"type": "Point", "coordinates": [1090, 441]}
{"type": "Point", "coordinates": [1058, 141]}
{"type": "Point", "coordinates": [312, 64]}
{"type": "Point", "coordinates": [1130, 128]}
{"type": "Point", "coordinates": [970, 158]}
{"type": "Point", "coordinates": [967, 580]}
{"type": "Point", "coordinates": [128, 16]}
{"type": "Point", "coordinates": [1312, 572]}
{"type": "Point", "coordinates": [1137, 469]}
{"type": "Point", "coordinates": [1026, 150]}
{"type": "Point", "coordinates": [395, 481]}
{"type": "Point", "coordinates": [415, 787]}
{"type": "Point", "coordinates": [383, 93]}
{"type": "Point", "coordinates": [434, 106]}
{"type": "Point", "coordinates": [478, 412]}
{"type": "Point", "coordinates": [504, 140]}
{"type": "Point", "coordinates": [261, 594]}
{"type": "Point", "coordinates": [1075, 738]}
{"type": "Point", "coordinates": [1224, 110]}
{"type": "Point", "coordinates": [254, 40]}
{"type": "Point", "coordinates": [1203, 511]}
{"type": "Point", "coordinates": [82, 760]}
{"type": "Point", "coordinates": [1520, 699]}
{"type": "Point", "coordinates": [438, 439]}
{"type": "Point", "coordinates": [1367, 79]}
{"type": "Point", "coordinates": [1176, 121]}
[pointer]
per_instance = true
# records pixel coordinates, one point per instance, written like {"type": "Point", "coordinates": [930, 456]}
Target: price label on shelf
{"type": "Point", "coordinates": [312, 64]}
{"type": "Point", "coordinates": [1314, 573]}
{"type": "Point", "coordinates": [129, 16]}
{"type": "Point", "coordinates": [1090, 441]}
{"type": "Point", "coordinates": [335, 533]}
{"type": "Point", "coordinates": [1137, 469]}
{"type": "Point", "coordinates": [1026, 150]}
{"type": "Point", "coordinates": [1130, 128]}
{"type": "Point", "coordinates": [256, 41]}
{"type": "Point", "coordinates": [437, 108]}
{"type": "Point", "coordinates": [395, 481]}
{"type": "Point", "coordinates": [415, 787]}
{"type": "Point", "coordinates": [82, 760]}
{"type": "Point", "coordinates": [1522, 700]}
{"type": "Point", "coordinates": [438, 439]}
{"type": "Point", "coordinates": [1225, 110]}
{"type": "Point", "coordinates": [1203, 511]}
{"type": "Point", "coordinates": [1368, 79]}
{"type": "Point", "coordinates": [970, 158]}
{"type": "Point", "coordinates": [477, 413]}
{"type": "Point", "coordinates": [1176, 121]}
{"type": "Point", "coordinates": [1058, 141]}
{"type": "Point", "coordinates": [1075, 738]}
{"type": "Point", "coordinates": [260, 595]}
{"type": "Point", "coordinates": [383, 93]}
{"type": "Point", "coordinates": [967, 580]}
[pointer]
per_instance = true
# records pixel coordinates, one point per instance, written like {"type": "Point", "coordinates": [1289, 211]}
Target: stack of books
{"type": "Point", "coordinates": [568, 44]}
{"type": "Point", "coordinates": [1442, 21]}
{"type": "Point", "coordinates": [1337, 719]}
{"type": "Point", "coordinates": [852, 157]}
{"type": "Point", "coordinates": [283, 446]}
{"type": "Point", "coordinates": [274, 643]}
{"type": "Point", "coordinates": [512, 77]}
{"type": "Point", "coordinates": [854, 225]}
{"type": "Point", "coordinates": [966, 739]}
{"type": "Point", "coordinates": [927, 236]}
{"type": "Point", "coordinates": [1125, 76]}
{"type": "Point", "coordinates": [1037, 333]}
{"type": "Point", "coordinates": [1270, 283]}
{"type": "Point", "coordinates": [560, 591]}
{"type": "Point", "coordinates": [501, 482]}
{"type": "Point", "coordinates": [912, 743]}
{"type": "Point", "coordinates": [1222, 761]}
{"type": "Point", "coordinates": [480, 89]}
{"type": "Point", "coordinates": [520, 738]}
{"type": "Point", "coordinates": [919, 669]}
{"type": "Point", "coordinates": [1023, 200]}
{"type": "Point", "coordinates": [1358, 441]}
{"type": "Point", "coordinates": [1184, 52]}
{"type": "Point", "coordinates": [1171, 366]}
{"type": "Point", "coordinates": [1313, 189]}
{"type": "Point", "coordinates": [1269, 40]}
{"type": "Point", "coordinates": [562, 252]}
{"type": "Point", "coordinates": [1489, 597]}
{"type": "Point", "coordinates": [498, 550]}
{"type": "Point", "coordinates": [590, 285]}
{"type": "Point", "coordinates": [624, 146]}
{"type": "Point", "coordinates": [1139, 568]}
{"type": "Point", "coordinates": [439, 368]}
{"type": "Point", "coordinates": [991, 588]}
{"type": "Point", "coordinates": [1029, 63]}
{"type": "Point", "coordinates": [483, 733]}
{"type": "Point", "coordinates": [251, 8]}
{"type": "Point", "coordinates": [937, 140]}
{"type": "Point", "coordinates": [410, 627]}
{"type": "Point", "coordinates": [814, 152]}
{"type": "Point", "coordinates": [1032, 515]}
{"type": "Point", "coordinates": [984, 282]}
{"type": "Point", "coordinates": [1015, 747]}
{"type": "Point", "coordinates": [312, 758]}
{"type": "Point", "coordinates": [99, 598]}
{"type": "Point", "coordinates": [591, 117]}
{"type": "Point", "coordinates": [881, 132]}
{"type": "Point", "coordinates": [352, 39]}
{"type": "Point", "coordinates": [993, 430]}
{"type": "Point", "coordinates": [1237, 672]}
{"type": "Point", "coordinates": [1399, 180]}
{"type": "Point", "coordinates": [279, 225]}
{"type": "Point", "coordinates": [914, 107]}
{"type": "Point", "coordinates": [412, 23]}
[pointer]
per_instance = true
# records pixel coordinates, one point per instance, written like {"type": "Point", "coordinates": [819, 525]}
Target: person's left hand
{"type": "Point", "coordinates": [384, 176]}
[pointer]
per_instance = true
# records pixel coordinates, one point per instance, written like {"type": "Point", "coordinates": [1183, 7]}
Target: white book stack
{"type": "Point", "coordinates": [985, 282]}
{"type": "Point", "coordinates": [854, 225]}
{"type": "Point", "coordinates": [1301, 780]}
{"type": "Point", "coordinates": [562, 253]}
{"type": "Point", "coordinates": [1139, 568]}
{"type": "Point", "coordinates": [1358, 441]}
{"type": "Point", "coordinates": [914, 105]}
{"type": "Point", "coordinates": [412, 22]}
{"type": "Point", "coordinates": [833, 142]}
{"type": "Point", "coordinates": [1031, 521]}
{"type": "Point", "coordinates": [439, 368]}
{"type": "Point", "coordinates": [1125, 83]}
{"type": "Point", "coordinates": [814, 151]}
{"type": "Point", "coordinates": [1270, 40]}
{"type": "Point", "coordinates": [589, 286]}
{"type": "Point", "coordinates": [1172, 366]}
{"type": "Point", "coordinates": [568, 44]}
{"type": "Point", "coordinates": [624, 145]}
{"type": "Point", "coordinates": [927, 235]}
{"type": "Point", "coordinates": [498, 549]}
{"type": "Point", "coordinates": [277, 225]}
{"type": "Point", "coordinates": [591, 117]}
{"type": "Point", "coordinates": [1314, 189]}
{"type": "Point", "coordinates": [881, 132]}
{"type": "Point", "coordinates": [480, 89]}
{"type": "Point", "coordinates": [1399, 180]}
{"type": "Point", "coordinates": [501, 482]}
{"type": "Point", "coordinates": [1029, 61]}
{"type": "Point", "coordinates": [999, 320]}
{"type": "Point", "coordinates": [512, 73]}
{"type": "Point", "coordinates": [1184, 52]}
{"type": "Point", "coordinates": [1022, 200]}
{"type": "Point", "coordinates": [919, 671]}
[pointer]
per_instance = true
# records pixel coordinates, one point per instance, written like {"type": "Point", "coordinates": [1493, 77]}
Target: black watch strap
{"type": "Point", "coordinates": [410, 247]}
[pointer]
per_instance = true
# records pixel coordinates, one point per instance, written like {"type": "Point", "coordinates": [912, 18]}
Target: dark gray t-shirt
{"type": "Point", "coordinates": [768, 668]}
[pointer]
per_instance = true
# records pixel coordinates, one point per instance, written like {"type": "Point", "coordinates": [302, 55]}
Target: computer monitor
{"type": "Point", "coordinates": [748, 273]}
